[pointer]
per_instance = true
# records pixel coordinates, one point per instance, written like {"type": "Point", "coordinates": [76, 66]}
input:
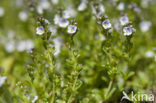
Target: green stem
{"type": "Point", "coordinates": [109, 87]}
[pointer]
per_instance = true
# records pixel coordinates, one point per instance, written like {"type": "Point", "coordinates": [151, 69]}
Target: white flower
{"type": "Point", "coordinates": [23, 15]}
{"type": "Point", "coordinates": [66, 14]}
{"type": "Point", "coordinates": [39, 9]}
{"type": "Point", "coordinates": [106, 24]}
{"type": "Point", "coordinates": [35, 99]}
{"type": "Point", "coordinates": [40, 30]}
{"type": "Point", "coordinates": [21, 46]}
{"type": "Point", "coordinates": [145, 26]}
{"type": "Point", "coordinates": [121, 6]}
{"type": "Point", "coordinates": [127, 31]}
{"type": "Point", "coordinates": [2, 80]}
{"type": "Point", "coordinates": [124, 20]}
{"type": "Point", "coordinates": [116, 25]}
{"type": "Point", "coordinates": [57, 44]}
{"type": "Point", "coordinates": [56, 19]}
{"type": "Point", "coordinates": [136, 9]}
{"type": "Point", "coordinates": [72, 29]}
{"type": "Point", "coordinates": [44, 4]}
{"type": "Point", "coordinates": [149, 54]}
{"type": "Point", "coordinates": [101, 8]}
{"type": "Point", "coordinates": [145, 3]}
{"type": "Point", "coordinates": [54, 1]}
{"type": "Point", "coordinates": [53, 30]}
{"type": "Point", "coordinates": [63, 23]}
{"type": "Point", "coordinates": [69, 12]}
{"type": "Point", "coordinates": [1, 11]}
{"type": "Point", "coordinates": [98, 10]}
{"type": "Point", "coordinates": [29, 44]}
{"type": "Point", "coordinates": [82, 6]}
{"type": "Point", "coordinates": [46, 21]}
{"type": "Point", "coordinates": [10, 46]}
{"type": "Point", "coordinates": [10, 34]}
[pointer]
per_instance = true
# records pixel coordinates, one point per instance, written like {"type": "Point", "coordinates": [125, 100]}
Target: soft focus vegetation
{"type": "Point", "coordinates": [76, 51]}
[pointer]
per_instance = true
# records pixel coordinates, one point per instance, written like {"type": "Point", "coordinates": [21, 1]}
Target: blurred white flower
{"type": "Point", "coordinates": [25, 45]}
{"type": "Point", "coordinates": [35, 99]}
{"type": "Point", "coordinates": [97, 10]}
{"type": "Point", "coordinates": [82, 6]}
{"type": "Point", "coordinates": [56, 19]}
{"type": "Point", "coordinates": [21, 46]}
{"type": "Point", "coordinates": [124, 20]}
{"type": "Point", "coordinates": [46, 21]}
{"type": "Point", "coordinates": [23, 15]}
{"type": "Point", "coordinates": [149, 54]}
{"type": "Point", "coordinates": [2, 80]}
{"type": "Point", "coordinates": [106, 24]}
{"type": "Point", "coordinates": [55, 1]}
{"type": "Point", "coordinates": [44, 4]}
{"type": "Point", "coordinates": [40, 30]}
{"type": "Point", "coordinates": [10, 34]}
{"type": "Point", "coordinates": [72, 29]}
{"type": "Point", "coordinates": [101, 8]}
{"type": "Point", "coordinates": [57, 44]}
{"type": "Point", "coordinates": [39, 10]}
{"type": "Point", "coordinates": [29, 44]}
{"type": "Point", "coordinates": [1, 11]}
{"type": "Point", "coordinates": [10, 46]}
{"type": "Point", "coordinates": [66, 14]}
{"type": "Point", "coordinates": [127, 31]}
{"type": "Point", "coordinates": [145, 25]}
{"type": "Point", "coordinates": [19, 2]}
{"type": "Point", "coordinates": [53, 30]}
{"type": "Point", "coordinates": [145, 3]}
{"type": "Point", "coordinates": [63, 23]}
{"type": "Point", "coordinates": [136, 9]}
{"type": "Point", "coordinates": [121, 6]}
{"type": "Point", "coordinates": [116, 25]}
{"type": "Point", "coordinates": [70, 12]}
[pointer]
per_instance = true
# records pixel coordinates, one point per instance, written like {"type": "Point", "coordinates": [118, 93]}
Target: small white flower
{"type": "Point", "coordinates": [55, 1]}
{"type": "Point", "coordinates": [29, 44]}
{"type": "Point", "coordinates": [57, 44]}
{"type": "Point", "coordinates": [82, 6]}
{"type": "Point", "coordinates": [35, 99]}
{"type": "Point", "coordinates": [66, 14]}
{"type": "Point", "coordinates": [124, 20]}
{"type": "Point", "coordinates": [149, 54]}
{"type": "Point", "coordinates": [136, 9]}
{"type": "Point", "coordinates": [10, 34]}
{"type": "Point", "coordinates": [127, 31]}
{"type": "Point", "coordinates": [56, 19]}
{"type": "Point", "coordinates": [46, 21]}
{"type": "Point", "coordinates": [69, 12]}
{"type": "Point", "coordinates": [40, 30]}
{"type": "Point", "coordinates": [101, 8]}
{"type": "Point", "coordinates": [21, 46]}
{"type": "Point", "coordinates": [2, 80]}
{"type": "Point", "coordinates": [1, 11]}
{"type": "Point", "coordinates": [106, 24]}
{"type": "Point", "coordinates": [44, 4]}
{"type": "Point", "coordinates": [72, 29]}
{"type": "Point", "coordinates": [39, 9]}
{"type": "Point", "coordinates": [121, 6]}
{"type": "Point", "coordinates": [63, 23]}
{"type": "Point", "coordinates": [116, 25]}
{"type": "Point", "coordinates": [145, 26]}
{"type": "Point", "coordinates": [23, 15]}
{"type": "Point", "coordinates": [53, 30]}
{"type": "Point", "coordinates": [10, 46]}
